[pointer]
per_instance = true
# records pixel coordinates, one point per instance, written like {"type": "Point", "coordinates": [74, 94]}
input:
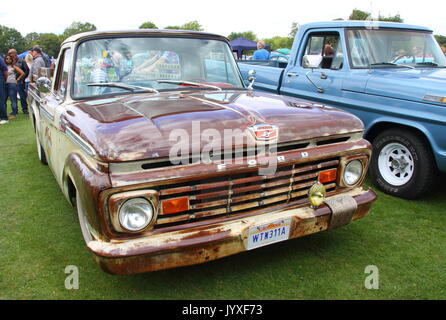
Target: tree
{"type": "Point", "coordinates": [359, 15]}
{"type": "Point", "coordinates": [363, 15]}
{"type": "Point", "coordinates": [11, 38]}
{"type": "Point", "coordinates": [31, 39]}
{"type": "Point", "coordinates": [294, 29]}
{"type": "Point", "coordinates": [173, 27]}
{"type": "Point", "coordinates": [77, 27]}
{"type": "Point", "coordinates": [148, 25]}
{"type": "Point", "coordinates": [395, 18]}
{"type": "Point", "coordinates": [279, 42]}
{"type": "Point", "coordinates": [248, 35]}
{"type": "Point", "coordinates": [50, 43]}
{"type": "Point", "coordinates": [193, 25]}
{"type": "Point", "coordinates": [441, 40]}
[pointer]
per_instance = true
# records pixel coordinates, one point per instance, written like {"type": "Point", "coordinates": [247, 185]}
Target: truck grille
{"type": "Point", "coordinates": [238, 193]}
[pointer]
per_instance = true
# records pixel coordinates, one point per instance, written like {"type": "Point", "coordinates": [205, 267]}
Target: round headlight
{"type": "Point", "coordinates": [352, 172]}
{"type": "Point", "coordinates": [135, 214]}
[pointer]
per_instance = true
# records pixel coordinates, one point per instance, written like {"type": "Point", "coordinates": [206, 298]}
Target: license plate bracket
{"type": "Point", "coordinates": [268, 233]}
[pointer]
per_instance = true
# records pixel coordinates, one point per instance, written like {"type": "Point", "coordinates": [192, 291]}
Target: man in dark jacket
{"type": "Point", "coordinates": [21, 63]}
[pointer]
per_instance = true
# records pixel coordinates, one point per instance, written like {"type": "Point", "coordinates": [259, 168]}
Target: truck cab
{"type": "Point", "coordinates": [392, 76]}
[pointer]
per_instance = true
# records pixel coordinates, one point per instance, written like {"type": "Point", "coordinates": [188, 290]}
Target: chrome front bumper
{"type": "Point", "coordinates": [206, 243]}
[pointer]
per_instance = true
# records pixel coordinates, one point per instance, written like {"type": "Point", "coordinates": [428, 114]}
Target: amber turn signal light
{"type": "Point", "coordinates": [328, 175]}
{"type": "Point", "coordinates": [175, 205]}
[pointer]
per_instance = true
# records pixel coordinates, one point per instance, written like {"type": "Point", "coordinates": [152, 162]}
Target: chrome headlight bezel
{"type": "Point", "coordinates": [117, 201]}
{"type": "Point", "coordinates": [344, 161]}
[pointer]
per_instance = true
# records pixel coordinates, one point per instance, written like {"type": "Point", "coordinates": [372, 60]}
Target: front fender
{"type": "Point", "coordinates": [376, 126]}
{"type": "Point", "coordinates": [89, 181]}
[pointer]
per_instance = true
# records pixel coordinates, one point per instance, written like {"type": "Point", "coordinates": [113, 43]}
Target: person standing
{"type": "Point", "coordinates": [11, 84]}
{"type": "Point", "coordinates": [3, 76]}
{"type": "Point", "coordinates": [21, 86]}
{"type": "Point", "coordinates": [29, 63]}
{"type": "Point", "coordinates": [261, 53]}
{"type": "Point", "coordinates": [38, 62]}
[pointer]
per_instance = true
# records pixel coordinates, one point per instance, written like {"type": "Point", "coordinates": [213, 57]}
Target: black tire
{"type": "Point", "coordinates": [421, 171]}
{"type": "Point", "coordinates": [40, 152]}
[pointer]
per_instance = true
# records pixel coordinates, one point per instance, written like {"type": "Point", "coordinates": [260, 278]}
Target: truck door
{"type": "Point", "coordinates": [54, 106]}
{"type": "Point", "coordinates": [319, 69]}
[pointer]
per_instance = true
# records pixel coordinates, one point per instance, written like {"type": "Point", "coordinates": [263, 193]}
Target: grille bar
{"type": "Point", "coordinates": [238, 192]}
{"type": "Point", "coordinates": [234, 209]}
{"type": "Point", "coordinates": [213, 185]}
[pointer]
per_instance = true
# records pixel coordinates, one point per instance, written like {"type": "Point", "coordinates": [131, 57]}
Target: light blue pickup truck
{"type": "Point", "coordinates": [391, 75]}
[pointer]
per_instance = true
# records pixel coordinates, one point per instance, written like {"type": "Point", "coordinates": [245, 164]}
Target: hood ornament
{"type": "Point", "coordinates": [264, 132]}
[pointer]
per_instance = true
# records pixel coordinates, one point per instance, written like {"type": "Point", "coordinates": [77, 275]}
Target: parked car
{"type": "Point", "coordinates": [171, 161]}
{"type": "Point", "coordinates": [391, 75]}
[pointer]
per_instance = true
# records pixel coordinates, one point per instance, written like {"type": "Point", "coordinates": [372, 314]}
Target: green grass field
{"type": "Point", "coordinates": [40, 236]}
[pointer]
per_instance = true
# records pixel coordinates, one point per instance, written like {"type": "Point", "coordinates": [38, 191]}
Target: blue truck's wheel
{"type": "Point", "coordinates": [402, 164]}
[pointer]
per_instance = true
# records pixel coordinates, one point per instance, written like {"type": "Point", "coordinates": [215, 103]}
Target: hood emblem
{"type": "Point", "coordinates": [265, 132]}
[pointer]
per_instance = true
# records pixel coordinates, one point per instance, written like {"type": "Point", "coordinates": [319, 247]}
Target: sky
{"type": "Point", "coordinates": [265, 18]}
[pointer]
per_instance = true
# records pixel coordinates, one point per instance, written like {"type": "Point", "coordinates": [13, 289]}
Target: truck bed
{"type": "Point", "coordinates": [268, 77]}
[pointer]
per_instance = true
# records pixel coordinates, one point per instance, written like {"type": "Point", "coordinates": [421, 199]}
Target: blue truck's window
{"type": "Point", "coordinates": [149, 61]}
{"type": "Point", "coordinates": [390, 48]}
{"type": "Point", "coordinates": [325, 46]}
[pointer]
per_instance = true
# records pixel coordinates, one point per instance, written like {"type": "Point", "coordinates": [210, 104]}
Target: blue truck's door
{"type": "Point", "coordinates": [324, 82]}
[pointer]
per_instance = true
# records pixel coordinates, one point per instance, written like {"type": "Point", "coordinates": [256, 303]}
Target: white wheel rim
{"type": "Point", "coordinates": [396, 164]}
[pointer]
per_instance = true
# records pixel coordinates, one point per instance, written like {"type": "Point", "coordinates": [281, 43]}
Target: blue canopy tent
{"type": "Point", "coordinates": [241, 44]}
{"type": "Point", "coordinates": [24, 54]}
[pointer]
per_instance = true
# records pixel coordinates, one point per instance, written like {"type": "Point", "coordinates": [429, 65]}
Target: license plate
{"type": "Point", "coordinates": [268, 233]}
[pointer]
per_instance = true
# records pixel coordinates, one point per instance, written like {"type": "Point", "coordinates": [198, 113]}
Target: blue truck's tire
{"type": "Point", "coordinates": [402, 164]}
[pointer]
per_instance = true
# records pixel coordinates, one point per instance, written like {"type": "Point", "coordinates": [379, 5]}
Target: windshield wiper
{"type": "Point", "coordinates": [122, 86]}
{"type": "Point", "coordinates": [428, 63]}
{"type": "Point", "coordinates": [391, 64]}
{"type": "Point", "coordinates": [190, 83]}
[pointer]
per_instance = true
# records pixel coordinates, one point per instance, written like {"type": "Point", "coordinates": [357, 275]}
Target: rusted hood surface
{"type": "Point", "coordinates": [144, 126]}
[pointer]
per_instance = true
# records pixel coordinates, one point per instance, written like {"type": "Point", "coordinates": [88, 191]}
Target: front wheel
{"type": "Point", "coordinates": [40, 152]}
{"type": "Point", "coordinates": [402, 164]}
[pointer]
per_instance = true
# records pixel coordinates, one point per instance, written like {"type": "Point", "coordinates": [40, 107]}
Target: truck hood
{"type": "Point", "coordinates": [408, 84]}
{"type": "Point", "coordinates": [144, 126]}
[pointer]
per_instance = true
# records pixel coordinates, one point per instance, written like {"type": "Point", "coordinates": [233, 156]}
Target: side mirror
{"type": "Point", "coordinates": [311, 61]}
{"type": "Point", "coordinates": [251, 78]}
{"type": "Point", "coordinates": [43, 84]}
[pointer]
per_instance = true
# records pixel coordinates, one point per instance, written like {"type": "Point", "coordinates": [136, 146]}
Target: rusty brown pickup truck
{"type": "Point", "coordinates": [171, 161]}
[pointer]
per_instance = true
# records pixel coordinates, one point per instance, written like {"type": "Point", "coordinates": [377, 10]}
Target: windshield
{"type": "Point", "coordinates": [149, 62]}
{"type": "Point", "coordinates": [393, 48]}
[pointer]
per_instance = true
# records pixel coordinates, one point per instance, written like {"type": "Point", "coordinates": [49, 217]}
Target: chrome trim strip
{"type": "Point", "coordinates": [80, 142]}
{"type": "Point", "coordinates": [46, 113]}
{"type": "Point", "coordinates": [35, 96]}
